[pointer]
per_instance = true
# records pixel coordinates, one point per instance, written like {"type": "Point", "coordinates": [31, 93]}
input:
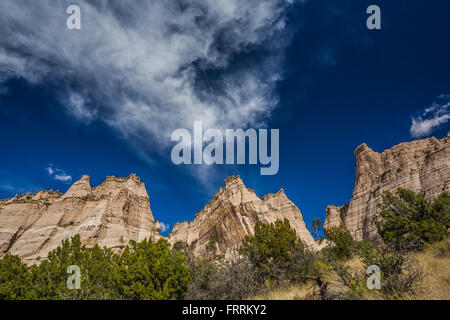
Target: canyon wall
{"type": "Point", "coordinates": [118, 210]}
{"type": "Point", "coordinates": [232, 214]}
{"type": "Point", "coordinates": [111, 214]}
{"type": "Point", "coordinates": [421, 165]}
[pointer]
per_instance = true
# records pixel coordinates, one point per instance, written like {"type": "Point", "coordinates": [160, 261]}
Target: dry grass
{"type": "Point", "coordinates": [299, 292]}
{"type": "Point", "coordinates": [434, 261]}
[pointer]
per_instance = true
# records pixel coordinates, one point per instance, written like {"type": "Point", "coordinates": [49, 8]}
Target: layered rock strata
{"type": "Point", "coordinates": [422, 166]}
{"type": "Point", "coordinates": [232, 214]}
{"type": "Point", "coordinates": [111, 214]}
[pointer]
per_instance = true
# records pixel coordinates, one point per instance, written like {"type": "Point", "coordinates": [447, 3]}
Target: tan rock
{"type": "Point", "coordinates": [422, 166]}
{"type": "Point", "coordinates": [232, 214]}
{"type": "Point", "coordinates": [110, 215]}
{"type": "Point", "coordinates": [118, 210]}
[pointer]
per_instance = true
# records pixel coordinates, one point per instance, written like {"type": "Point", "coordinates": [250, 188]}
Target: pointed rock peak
{"type": "Point", "coordinates": [281, 193]}
{"type": "Point", "coordinates": [79, 189]}
{"type": "Point", "coordinates": [363, 153]}
{"type": "Point", "coordinates": [113, 179]}
{"type": "Point", "coordinates": [134, 184]}
{"type": "Point", "coordinates": [236, 191]}
{"type": "Point", "coordinates": [85, 178]}
{"type": "Point", "coordinates": [234, 181]}
{"type": "Point", "coordinates": [114, 185]}
{"type": "Point", "coordinates": [157, 227]}
{"type": "Point", "coordinates": [274, 195]}
{"type": "Point", "coordinates": [134, 177]}
{"type": "Point", "coordinates": [46, 194]}
{"type": "Point", "coordinates": [110, 178]}
{"type": "Point", "coordinates": [361, 148]}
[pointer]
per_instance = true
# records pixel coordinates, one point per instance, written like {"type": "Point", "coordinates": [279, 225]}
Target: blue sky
{"type": "Point", "coordinates": [103, 100]}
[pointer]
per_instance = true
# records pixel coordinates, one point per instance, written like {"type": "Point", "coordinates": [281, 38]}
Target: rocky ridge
{"type": "Point", "coordinates": [421, 165]}
{"type": "Point", "coordinates": [118, 210]}
{"type": "Point", "coordinates": [111, 214]}
{"type": "Point", "coordinates": [232, 214]}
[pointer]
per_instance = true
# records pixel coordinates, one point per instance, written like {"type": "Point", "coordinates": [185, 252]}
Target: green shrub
{"type": "Point", "coordinates": [149, 270]}
{"type": "Point", "coordinates": [276, 254]}
{"type": "Point", "coordinates": [399, 273]}
{"type": "Point", "coordinates": [341, 243]}
{"type": "Point", "coordinates": [14, 278]}
{"type": "Point", "coordinates": [408, 220]}
{"type": "Point", "coordinates": [271, 243]}
{"type": "Point", "coordinates": [96, 266]}
{"type": "Point", "coordinates": [145, 270]}
{"type": "Point", "coordinates": [441, 209]}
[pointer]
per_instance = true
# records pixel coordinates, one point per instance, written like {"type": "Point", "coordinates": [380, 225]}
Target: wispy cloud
{"type": "Point", "coordinates": [62, 177]}
{"type": "Point", "coordinates": [12, 184]}
{"type": "Point", "coordinates": [7, 187]}
{"type": "Point", "coordinates": [431, 118]}
{"type": "Point", "coordinates": [164, 227]}
{"type": "Point", "coordinates": [17, 189]}
{"type": "Point", "coordinates": [148, 67]}
{"type": "Point", "coordinates": [58, 174]}
{"type": "Point", "coordinates": [50, 170]}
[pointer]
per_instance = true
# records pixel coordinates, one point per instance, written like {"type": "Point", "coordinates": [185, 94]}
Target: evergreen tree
{"type": "Point", "coordinates": [408, 220]}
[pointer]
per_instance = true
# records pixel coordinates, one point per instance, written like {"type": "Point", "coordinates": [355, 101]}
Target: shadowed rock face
{"type": "Point", "coordinates": [232, 214]}
{"type": "Point", "coordinates": [422, 166]}
{"type": "Point", "coordinates": [110, 215]}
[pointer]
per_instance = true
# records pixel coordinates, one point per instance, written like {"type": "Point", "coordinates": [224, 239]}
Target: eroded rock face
{"type": "Point", "coordinates": [232, 214]}
{"type": "Point", "coordinates": [110, 215]}
{"type": "Point", "coordinates": [422, 166]}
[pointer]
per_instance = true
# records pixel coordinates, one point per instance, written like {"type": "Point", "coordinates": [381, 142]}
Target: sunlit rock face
{"type": "Point", "coordinates": [422, 166]}
{"type": "Point", "coordinates": [111, 214]}
{"type": "Point", "coordinates": [232, 214]}
{"type": "Point", "coordinates": [118, 210]}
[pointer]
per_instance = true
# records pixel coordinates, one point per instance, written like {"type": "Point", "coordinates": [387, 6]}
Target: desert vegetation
{"type": "Point", "coordinates": [412, 254]}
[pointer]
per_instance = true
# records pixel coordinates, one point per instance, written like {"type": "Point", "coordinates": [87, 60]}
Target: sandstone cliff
{"type": "Point", "coordinates": [111, 214]}
{"type": "Point", "coordinates": [422, 166]}
{"type": "Point", "coordinates": [232, 214]}
{"type": "Point", "coordinates": [118, 210]}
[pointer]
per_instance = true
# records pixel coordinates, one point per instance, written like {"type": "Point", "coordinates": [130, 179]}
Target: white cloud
{"type": "Point", "coordinates": [62, 177]}
{"type": "Point", "coordinates": [164, 227]}
{"type": "Point", "coordinates": [431, 118]}
{"type": "Point", "coordinates": [149, 67]}
{"type": "Point", "coordinates": [78, 107]}
{"type": "Point", "coordinates": [58, 174]}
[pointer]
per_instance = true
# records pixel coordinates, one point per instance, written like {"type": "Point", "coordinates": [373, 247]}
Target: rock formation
{"type": "Point", "coordinates": [232, 214]}
{"type": "Point", "coordinates": [422, 166]}
{"type": "Point", "coordinates": [111, 214]}
{"type": "Point", "coordinates": [118, 210]}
